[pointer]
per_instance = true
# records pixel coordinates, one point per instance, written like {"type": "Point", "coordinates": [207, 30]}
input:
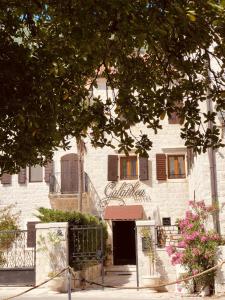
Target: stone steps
{"type": "Point", "coordinates": [122, 270]}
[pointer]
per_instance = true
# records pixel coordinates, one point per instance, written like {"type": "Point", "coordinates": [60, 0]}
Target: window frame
{"type": "Point", "coordinates": [128, 160]}
{"type": "Point", "coordinates": [30, 176]}
{"type": "Point", "coordinates": [176, 175]}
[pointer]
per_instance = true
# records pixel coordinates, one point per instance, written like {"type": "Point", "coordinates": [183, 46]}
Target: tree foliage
{"type": "Point", "coordinates": [153, 54]}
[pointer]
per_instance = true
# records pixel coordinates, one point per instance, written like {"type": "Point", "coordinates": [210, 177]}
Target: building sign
{"type": "Point", "coordinates": [121, 192]}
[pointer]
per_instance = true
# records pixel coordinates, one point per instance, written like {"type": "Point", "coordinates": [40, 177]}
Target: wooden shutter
{"type": "Point", "coordinates": [31, 234]}
{"type": "Point", "coordinates": [22, 176]}
{"type": "Point", "coordinates": [161, 167]}
{"type": "Point", "coordinates": [69, 174]}
{"type": "Point", "coordinates": [112, 167]}
{"type": "Point", "coordinates": [48, 171]}
{"type": "Point", "coordinates": [190, 158]}
{"type": "Point", "coordinates": [143, 168]}
{"type": "Point", "coordinates": [6, 178]}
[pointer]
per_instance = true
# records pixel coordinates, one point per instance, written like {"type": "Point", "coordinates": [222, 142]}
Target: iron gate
{"type": "Point", "coordinates": [86, 247]}
{"type": "Point", "coordinates": [17, 257]}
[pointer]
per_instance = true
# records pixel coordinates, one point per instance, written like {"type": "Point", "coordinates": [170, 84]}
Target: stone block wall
{"type": "Point", "coordinates": [51, 249]}
{"type": "Point", "coordinates": [220, 274]}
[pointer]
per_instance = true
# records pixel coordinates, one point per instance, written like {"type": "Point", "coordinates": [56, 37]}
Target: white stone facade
{"type": "Point", "coordinates": [169, 198]}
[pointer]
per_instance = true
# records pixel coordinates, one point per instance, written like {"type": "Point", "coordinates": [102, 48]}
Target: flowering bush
{"type": "Point", "coordinates": [197, 245]}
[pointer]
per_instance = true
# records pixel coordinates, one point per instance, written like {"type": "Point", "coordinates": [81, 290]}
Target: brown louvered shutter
{"type": "Point", "coordinates": [22, 176]}
{"type": "Point", "coordinates": [112, 167]}
{"type": "Point", "coordinates": [6, 178]}
{"type": "Point", "coordinates": [48, 171]}
{"type": "Point", "coordinates": [143, 168]}
{"type": "Point", "coordinates": [31, 234]}
{"type": "Point", "coordinates": [161, 167]}
{"type": "Point", "coordinates": [190, 159]}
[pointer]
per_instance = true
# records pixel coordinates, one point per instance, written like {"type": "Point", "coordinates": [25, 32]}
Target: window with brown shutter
{"type": "Point", "coordinates": [112, 167]}
{"type": "Point", "coordinates": [6, 178]}
{"type": "Point", "coordinates": [35, 173]}
{"type": "Point", "coordinates": [48, 171]}
{"type": "Point", "coordinates": [128, 168]}
{"type": "Point", "coordinates": [161, 167]}
{"type": "Point", "coordinates": [174, 118]}
{"type": "Point", "coordinates": [176, 166]}
{"type": "Point", "coordinates": [22, 176]}
{"type": "Point", "coordinates": [143, 168]}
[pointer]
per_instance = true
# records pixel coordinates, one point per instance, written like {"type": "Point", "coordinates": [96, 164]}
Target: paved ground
{"type": "Point", "coordinates": [96, 293]}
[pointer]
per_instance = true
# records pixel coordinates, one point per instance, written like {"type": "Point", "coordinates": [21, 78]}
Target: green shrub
{"type": "Point", "coordinates": [47, 215]}
{"type": "Point", "coordinates": [8, 230]}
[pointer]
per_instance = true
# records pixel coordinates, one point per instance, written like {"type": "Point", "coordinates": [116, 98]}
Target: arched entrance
{"type": "Point", "coordinates": [69, 174]}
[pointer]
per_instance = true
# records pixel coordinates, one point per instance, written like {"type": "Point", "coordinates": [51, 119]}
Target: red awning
{"type": "Point", "coordinates": [127, 212]}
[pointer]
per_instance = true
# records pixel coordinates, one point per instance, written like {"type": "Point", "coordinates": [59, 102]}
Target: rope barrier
{"type": "Point", "coordinates": [219, 265]}
{"type": "Point", "coordinates": [158, 285]}
{"type": "Point", "coordinates": [38, 285]}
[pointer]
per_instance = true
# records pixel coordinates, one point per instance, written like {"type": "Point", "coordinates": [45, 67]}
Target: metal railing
{"type": "Point", "coordinates": [15, 251]}
{"type": "Point", "coordinates": [56, 185]}
{"type": "Point", "coordinates": [167, 235]}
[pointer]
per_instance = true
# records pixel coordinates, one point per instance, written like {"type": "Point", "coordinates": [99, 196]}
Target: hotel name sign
{"type": "Point", "coordinates": [123, 192]}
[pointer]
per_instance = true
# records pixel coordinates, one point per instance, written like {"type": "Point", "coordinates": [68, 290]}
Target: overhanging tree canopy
{"type": "Point", "coordinates": [153, 55]}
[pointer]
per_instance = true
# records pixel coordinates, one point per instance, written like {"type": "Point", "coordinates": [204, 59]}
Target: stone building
{"type": "Point", "coordinates": [121, 189]}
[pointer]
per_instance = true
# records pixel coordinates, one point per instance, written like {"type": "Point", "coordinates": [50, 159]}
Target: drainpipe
{"type": "Point", "coordinates": [80, 174]}
{"type": "Point", "coordinates": [213, 175]}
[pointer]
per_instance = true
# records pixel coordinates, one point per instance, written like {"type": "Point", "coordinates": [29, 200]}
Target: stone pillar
{"type": "Point", "coordinates": [220, 274]}
{"type": "Point", "coordinates": [51, 249]}
{"type": "Point", "coordinates": [142, 256]}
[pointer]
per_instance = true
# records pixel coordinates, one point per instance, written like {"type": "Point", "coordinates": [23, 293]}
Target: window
{"type": "Point", "coordinates": [174, 118]}
{"type": "Point", "coordinates": [35, 174]}
{"type": "Point", "coordinates": [176, 166]}
{"type": "Point", "coordinates": [128, 167]}
{"type": "Point", "coordinates": [166, 221]}
{"type": "Point", "coordinates": [122, 167]}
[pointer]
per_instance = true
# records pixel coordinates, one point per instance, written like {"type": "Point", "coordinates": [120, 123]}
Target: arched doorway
{"type": "Point", "coordinates": [69, 174]}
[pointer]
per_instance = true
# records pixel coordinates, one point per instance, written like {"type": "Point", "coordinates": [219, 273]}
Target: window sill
{"type": "Point", "coordinates": [177, 180]}
{"type": "Point", "coordinates": [128, 179]}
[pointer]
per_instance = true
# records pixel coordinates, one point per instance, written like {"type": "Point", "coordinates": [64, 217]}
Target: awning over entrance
{"type": "Point", "coordinates": [127, 212]}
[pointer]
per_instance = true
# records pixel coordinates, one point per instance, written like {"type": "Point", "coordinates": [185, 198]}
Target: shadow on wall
{"type": "Point", "coordinates": [93, 196]}
{"type": "Point", "coordinates": [161, 270]}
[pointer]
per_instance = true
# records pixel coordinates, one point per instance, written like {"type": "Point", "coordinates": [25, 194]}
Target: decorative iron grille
{"type": "Point", "coordinates": [14, 250]}
{"type": "Point", "coordinates": [167, 235]}
{"type": "Point", "coordinates": [85, 245]}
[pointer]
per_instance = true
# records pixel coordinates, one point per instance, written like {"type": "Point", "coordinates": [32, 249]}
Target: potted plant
{"type": "Point", "coordinates": [153, 278]}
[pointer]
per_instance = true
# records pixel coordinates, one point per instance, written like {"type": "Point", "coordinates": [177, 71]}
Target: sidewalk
{"type": "Point", "coordinates": [96, 292]}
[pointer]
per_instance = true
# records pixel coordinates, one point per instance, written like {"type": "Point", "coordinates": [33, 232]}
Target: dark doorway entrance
{"type": "Point", "coordinates": [69, 174]}
{"type": "Point", "coordinates": [124, 243]}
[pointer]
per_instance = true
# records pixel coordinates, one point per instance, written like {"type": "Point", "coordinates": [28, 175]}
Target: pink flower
{"type": "Point", "coordinates": [189, 214]}
{"type": "Point", "coordinates": [203, 238]}
{"type": "Point", "coordinates": [182, 244]}
{"type": "Point", "coordinates": [170, 250]}
{"type": "Point", "coordinates": [190, 226]}
{"type": "Point", "coordinates": [196, 251]}
{"type": "Point", "coordinates": [192, 236]}
{"type": "Point", "coordinates": [191, 203]}
{"type": "Point", "coordinates": [195, 271]}
{"type": "Point", "coordinates": [201, 204]}
{"type": "Point", "coordinates": [177, 258]}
